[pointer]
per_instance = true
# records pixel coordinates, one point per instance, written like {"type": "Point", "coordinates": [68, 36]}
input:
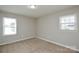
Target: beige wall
{"type": "Point", "coordinates": [25, 28]}
{"type": "Point", "coordinates": [48, 27]}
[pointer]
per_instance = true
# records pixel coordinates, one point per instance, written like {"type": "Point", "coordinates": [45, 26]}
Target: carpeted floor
{"type": "Point", "coordinates": [34, 46]}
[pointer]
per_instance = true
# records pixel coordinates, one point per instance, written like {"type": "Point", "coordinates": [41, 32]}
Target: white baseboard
{"type": "Point", "coordinates": [58, 43]}
{"type": "Point", "coordinates": [10, 42]}
{"type": "Point", "coordinates": [42, 39]}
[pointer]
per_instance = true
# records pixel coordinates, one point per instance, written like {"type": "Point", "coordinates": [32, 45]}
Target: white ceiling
{"type": "Point", "coordinates": [40, 11]}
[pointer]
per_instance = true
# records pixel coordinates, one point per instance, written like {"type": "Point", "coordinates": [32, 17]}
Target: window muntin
{"type": "Point", "coordinates": [9, 26]}
{"type": "Point", "coordinates": [68, 22]}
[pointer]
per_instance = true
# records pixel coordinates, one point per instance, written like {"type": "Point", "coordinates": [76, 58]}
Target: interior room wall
{"type": "Point", "coordinates": [43, 27]}
{"type": "Point", "coordinates": [48, 28]}
{"type": "Point", "coordinates": [25, 28]}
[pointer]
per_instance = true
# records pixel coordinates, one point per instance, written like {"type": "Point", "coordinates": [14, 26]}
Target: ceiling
{"type": "Point", "coordinates": [40, 11]}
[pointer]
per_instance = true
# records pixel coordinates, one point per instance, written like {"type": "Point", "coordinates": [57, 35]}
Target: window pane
{"type": "Point", "coordinates": [9, 26]}
{"type": "Point", "coordinates": [68, 22]}
{"type": "Point", "coordinates": [68, 19]}
{"type": "Point", "coordinates": [68, 27]}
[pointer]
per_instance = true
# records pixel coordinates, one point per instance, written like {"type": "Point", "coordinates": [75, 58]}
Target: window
{"type": "Point", "coordinates": [9, 26]}
{"type": "Point", "coordinates": [68, 22]}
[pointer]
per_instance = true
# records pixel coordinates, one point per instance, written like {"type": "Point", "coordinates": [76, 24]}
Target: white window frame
{"type": "Point", "coordinates": [4, 29]}
{"type": "Point", "coordinates": [65, 24]}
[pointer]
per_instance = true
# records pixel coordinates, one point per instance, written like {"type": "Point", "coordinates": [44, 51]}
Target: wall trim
{"type": "Point", "coordinates": [10, 42]}
{"type": "Point", "coordinates": [57, 43]}
{"type": "Point", "coordinates": [45, 39]}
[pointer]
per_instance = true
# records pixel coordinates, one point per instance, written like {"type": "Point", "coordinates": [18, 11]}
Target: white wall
{"type": "Point", "coordinates": [25, 28]}
{"type": "Point", "coordinates": [44, 27]}
{"type": "Point", "coordinates": [48, 27]}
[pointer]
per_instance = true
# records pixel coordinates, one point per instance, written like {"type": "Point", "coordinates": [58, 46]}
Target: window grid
{"type": "Point", "coordinates": [68, 22]}
{"type": "Point", "coordinates": [9, 26]}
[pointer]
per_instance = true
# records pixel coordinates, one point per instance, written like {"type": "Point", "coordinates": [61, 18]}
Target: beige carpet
{"type": "Point", "coordinates": [34, 46]}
